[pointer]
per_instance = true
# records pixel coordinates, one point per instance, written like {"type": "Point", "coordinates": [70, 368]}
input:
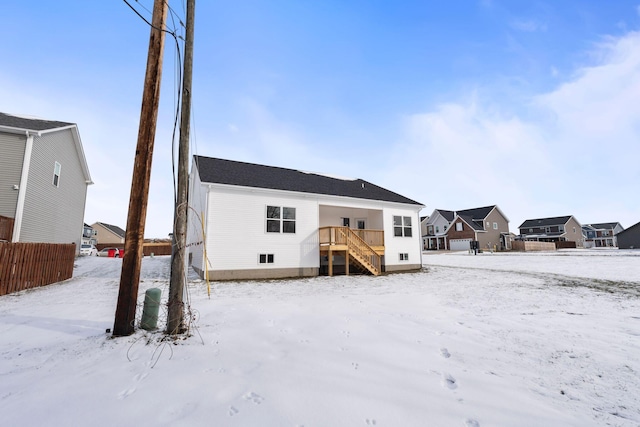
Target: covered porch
{"type": "Point", "coordinates": [351, 240]}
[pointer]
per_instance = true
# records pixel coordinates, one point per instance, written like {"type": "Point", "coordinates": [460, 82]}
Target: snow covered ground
{"type": "Point", "coordinates": [548, 339]}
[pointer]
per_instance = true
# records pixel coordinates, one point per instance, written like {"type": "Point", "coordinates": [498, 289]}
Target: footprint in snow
{"type": "Point", "coordinates": [126, 393]}
{"type": "Point", "coordinates": [253, 397]}
{"type": "Point", "coordinates": [370, 422]}
{"type": "Point", "coordinates": [470, 422]}
{"type": "Point", "coordinates": [449, 382]}
{"type": "Point", "coordinates": [445, 353]}
{"type": "Point", "coordinates": [232, 411]}
{"type": "Point", "coordinates": [140, 376]}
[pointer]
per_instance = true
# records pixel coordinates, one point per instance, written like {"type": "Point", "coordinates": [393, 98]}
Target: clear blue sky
{"type": "Point", "coordinates": [532, 106]}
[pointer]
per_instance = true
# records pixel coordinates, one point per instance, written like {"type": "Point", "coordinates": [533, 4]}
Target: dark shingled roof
{"type": "Point", "coordinates": [448, 215]}
{"type": "Point", "coordinates": [478, 214]}
{"type": "Point", "coordinates": [220, 171]}
{"type": "Point", "coordinates": [604, 225]}
{"type": "Point", "coordinates": [474, 217]}
{"type": "Point", "coordinates": [473, 222]}
{"type": "Point", "coordinates": [544, 222]}
{"type": "Point", "coordinates": [30, 123]}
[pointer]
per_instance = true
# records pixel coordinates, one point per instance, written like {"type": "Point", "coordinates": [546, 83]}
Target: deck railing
{"type": "Point", "coordinates": [328, 236]}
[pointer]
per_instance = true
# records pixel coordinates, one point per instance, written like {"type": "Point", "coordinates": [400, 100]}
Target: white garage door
{"type": "Point", "coordinates": [460, 244]}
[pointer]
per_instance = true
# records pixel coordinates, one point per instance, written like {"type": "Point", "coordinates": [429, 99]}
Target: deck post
{"type": "Point", "coordinates": [330, 262]}
{"type": "Point", "coordinates": [346, 262]}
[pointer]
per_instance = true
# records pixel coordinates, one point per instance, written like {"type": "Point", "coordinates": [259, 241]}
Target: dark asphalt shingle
{"type": "Point", "coordinates": [220, 171]}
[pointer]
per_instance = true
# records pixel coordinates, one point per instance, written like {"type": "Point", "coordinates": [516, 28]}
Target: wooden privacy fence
{"type": "Point", "coordinates": [162, 248]}
{"type": "Point", "coordinates": [29, 265]}
{"type": "Point", "coordinates": [156, 249]}
{"type": "Point", "coordinates": [520, 245]}
{"type": "Point", "coordinates": [6, 228]}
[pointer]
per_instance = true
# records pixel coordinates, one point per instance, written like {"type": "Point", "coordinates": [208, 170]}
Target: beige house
{"type": "Point", "coordinates": [554, 229]}
{"type": "Point", "coordinates": [108, 234]}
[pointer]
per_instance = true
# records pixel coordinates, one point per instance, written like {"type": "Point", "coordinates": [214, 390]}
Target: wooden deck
{"type": "Point", "coordinates": [364, 248]}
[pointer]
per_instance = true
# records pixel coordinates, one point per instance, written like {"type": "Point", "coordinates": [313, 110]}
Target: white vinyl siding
{"type": "Point", "coordinates": [236, 217]}
{"type": "Point", "coordinates": [237, 235]}
{"type": "Point", "coordinates": [412, 246]}
{"type": "Point", "coordinates": [12, 148]}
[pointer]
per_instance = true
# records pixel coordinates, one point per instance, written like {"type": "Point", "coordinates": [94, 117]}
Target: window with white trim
{"type": "Point", "coordinates": [495, 225]}
{"type": "Point", "coordinates": [281, 219]}
{"type": "Point", "coordinates": [404, 257]}
{"type": "Point", "coordinates": [459, 226]}
{"type": "Point", "coordinates": [402, 226]}
{"type": "Point", "coordinates": [57, 168]}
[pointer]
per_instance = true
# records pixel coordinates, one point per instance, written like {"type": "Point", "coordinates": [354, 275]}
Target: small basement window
{"type": "Point", "coordinates": [404, 257]}
{"type": "Point", "coordinates": [266, 258]}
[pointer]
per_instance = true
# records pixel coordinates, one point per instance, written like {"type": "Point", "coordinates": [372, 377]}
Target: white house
{"type": "Point", "coordinates": [43, 180]}
{"type": "Point", "coordinates": [269, 222]}
{"type": "Point", "coordinates": [436, 226]}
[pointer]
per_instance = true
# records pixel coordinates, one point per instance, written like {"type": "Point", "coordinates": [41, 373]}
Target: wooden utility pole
{"type": "Point", "coordinates": [134, 238]}
{"type": "Point", "coordinates": [178, 277]}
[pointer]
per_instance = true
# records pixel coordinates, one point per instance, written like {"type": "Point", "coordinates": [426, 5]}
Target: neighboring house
{"type": "Point", "coordinates": [555, 229]}
{"type": "Point", "coordinates": [108, 234]}
{"type": "Point", "coordinates": [43, 179]}
{"type": "Point", "coordinates": [487, 225]}
{"type": "Point", "coordinates": [88, 235]}
{"type": "Point", "coordinates": [435, 237]}
{"type": "Point", "coordinates": [455, 230]}
{"type": "Point", "coordinates": [601, 235]}
{"type": "Point", "coordinates": [629, 238]}
{"type": "Point", "coordinates": [268, 222]}
{"type": "Point", "coordinates": [423, 225]}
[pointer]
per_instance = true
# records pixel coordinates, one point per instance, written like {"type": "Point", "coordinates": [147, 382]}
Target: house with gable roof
{"type": "Point", "coordinates": [436, 226]}
{"type": "Point", "coordinates": [553, 229]}
{"type": "Point", "coordinates": [601, 235]}
{"type": "Point", "coordinates": [486, 225]}
{"type": "Point", "coordinates": [271, 222]}
{"type": "Point", "coordinates": [456, 230]}
{"type": "Point", "coordinates": [108, 234]}
{"type": "Point", "coordinates": [43, 180]}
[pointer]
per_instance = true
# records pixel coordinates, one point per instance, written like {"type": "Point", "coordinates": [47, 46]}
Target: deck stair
{"type": "Point", "coordinates": [359, 251]}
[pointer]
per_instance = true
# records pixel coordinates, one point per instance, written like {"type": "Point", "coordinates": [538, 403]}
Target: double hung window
{"type": "Point", "coordinates": [402, 226]}
{"type": "Point", "coordinates": [281, 219]}
{"type": "Point", "coordinates": [56, 174]}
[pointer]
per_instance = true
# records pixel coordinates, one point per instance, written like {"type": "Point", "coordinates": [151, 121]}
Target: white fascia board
{"type": "Point", "coordinates": [320, 197]}
{"type": "Point", "coordinates": [21, 131]}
